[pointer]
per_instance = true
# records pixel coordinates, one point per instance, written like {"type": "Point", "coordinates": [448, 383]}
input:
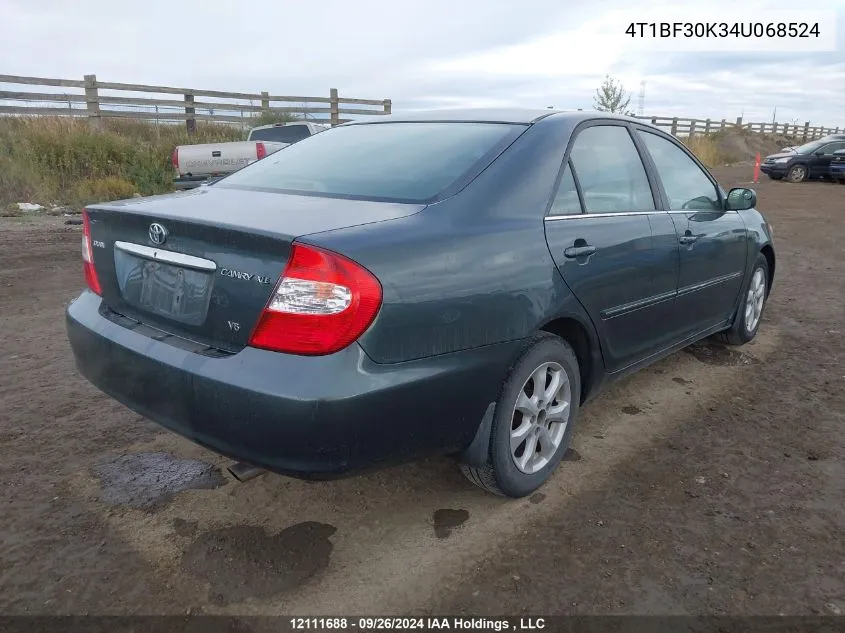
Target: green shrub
{"type": "Point", "coordinates": [268, 118]}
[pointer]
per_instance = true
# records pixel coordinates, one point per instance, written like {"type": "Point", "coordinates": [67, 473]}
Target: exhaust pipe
{"type": "Point", "coordinates": [245, 472]}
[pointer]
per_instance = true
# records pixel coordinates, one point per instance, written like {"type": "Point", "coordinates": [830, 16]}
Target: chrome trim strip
{"type": "Point", "coordinates": [168, 257]}
{"type": "Point", "coordinates": [576, 216]}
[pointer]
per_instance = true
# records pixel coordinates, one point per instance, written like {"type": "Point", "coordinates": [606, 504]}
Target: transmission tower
{"type": "Point", "coordinates": [641, 102]}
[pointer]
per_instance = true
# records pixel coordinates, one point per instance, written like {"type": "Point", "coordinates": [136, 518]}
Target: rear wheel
{"type": "Point", "coordinates": [750, 313]}
{"type": "Point", "coordinates": [534, 419]}
{"type": "Point", "coordinates": [797, 173]}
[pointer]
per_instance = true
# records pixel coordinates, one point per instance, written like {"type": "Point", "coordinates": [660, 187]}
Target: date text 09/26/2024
{"type": "Point", "coordinates": [786, 30]}
{"type": "Point", "coordinates": [417, 624]}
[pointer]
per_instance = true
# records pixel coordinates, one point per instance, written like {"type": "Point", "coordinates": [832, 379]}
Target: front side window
{"type": "Point", "coordinates": [406, 162]}
{"type": "Point", "coordinates": [809, 148]}
{"type": "Point", "coordinates": [828, 149]}
{"type": "Point", "coordinates": [610, 171]}
{"type": "Point", "coordinates": [685, 183]}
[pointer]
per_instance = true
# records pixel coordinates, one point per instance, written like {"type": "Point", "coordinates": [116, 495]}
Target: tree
{"type": "Point", "coordinates": [612, 97]}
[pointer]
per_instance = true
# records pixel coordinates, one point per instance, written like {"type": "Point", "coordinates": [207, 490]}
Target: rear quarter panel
{"type": "Point", "coordinates": [472, 270]}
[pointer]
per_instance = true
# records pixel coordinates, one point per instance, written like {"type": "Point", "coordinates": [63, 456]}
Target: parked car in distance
{"type": "Point", "coordinates": [446, 283]}
{"type": "Point", "coordinates": [808, 161]}
{"type": "Point", "coordinates": [198, 164]}
{"type": "Point", "coordinates": [837, 166]}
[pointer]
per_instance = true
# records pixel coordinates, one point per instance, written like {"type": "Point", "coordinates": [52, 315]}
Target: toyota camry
{"type": "Point", "coordinates": [445, 283]}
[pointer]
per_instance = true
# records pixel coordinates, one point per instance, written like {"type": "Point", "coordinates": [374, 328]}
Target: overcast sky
{"type": "Point", "coordinates": [428, 53]}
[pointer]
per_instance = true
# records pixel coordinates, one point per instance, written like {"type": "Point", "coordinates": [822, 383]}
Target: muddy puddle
{"type": "Point", "coordinates": [150, 480]}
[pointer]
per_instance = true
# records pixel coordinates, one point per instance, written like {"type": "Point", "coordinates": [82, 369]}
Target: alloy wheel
{"type": "Point", "coordinates": [540, 417]}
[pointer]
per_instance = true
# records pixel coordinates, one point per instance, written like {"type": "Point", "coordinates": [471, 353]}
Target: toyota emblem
{"type": "Point", "coordinates": [158, 234]}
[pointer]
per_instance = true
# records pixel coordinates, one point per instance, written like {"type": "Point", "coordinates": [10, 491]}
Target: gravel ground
{"type": "Point", "coordinates": [710, 483]}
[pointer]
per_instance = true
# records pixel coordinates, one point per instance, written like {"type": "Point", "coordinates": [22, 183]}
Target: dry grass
{"type": "Point", "coordinates": [730, 146]}
{"type": "Point", "coordinates": [64, 161]}
{"type": "Point", "coordinates": [707, 150]}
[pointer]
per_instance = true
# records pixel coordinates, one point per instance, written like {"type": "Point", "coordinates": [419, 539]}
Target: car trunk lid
{"type": "Point", "coordinates": [201, 265]}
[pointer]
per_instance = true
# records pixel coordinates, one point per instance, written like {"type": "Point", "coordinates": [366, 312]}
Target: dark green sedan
{"type": "Point", "coordinates": [454, 283]}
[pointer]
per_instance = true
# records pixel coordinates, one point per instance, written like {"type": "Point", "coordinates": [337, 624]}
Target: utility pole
{"type": "Point", "coordinates": [641, 103]}
{"type": "Point", "coordinates": [775, 115]}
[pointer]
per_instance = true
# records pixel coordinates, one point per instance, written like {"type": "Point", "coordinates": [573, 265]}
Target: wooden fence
{"type": "Point", "coordinates": [93, 101]}
{"type": "Point", "coordinates": [690, 127]}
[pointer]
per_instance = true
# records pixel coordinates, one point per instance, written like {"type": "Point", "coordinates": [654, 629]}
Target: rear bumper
{"type": "Point", "coordinates": [302, 416]}
{"type": "Point", "coordinates": [189, 182]}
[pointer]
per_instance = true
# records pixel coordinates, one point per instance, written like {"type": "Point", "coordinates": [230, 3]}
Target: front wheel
{"type": "Point", "coordinates": [797, 173]}
{"type": "Point", "coordinates": [535, 416]}
{"type": "Point", "coordinates": [750, 312]}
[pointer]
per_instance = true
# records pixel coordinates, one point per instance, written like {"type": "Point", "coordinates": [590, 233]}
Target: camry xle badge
{"type": "Point", "coordinates": [158, 234]}
{"type": "Point", "coordinates": [237, 274]}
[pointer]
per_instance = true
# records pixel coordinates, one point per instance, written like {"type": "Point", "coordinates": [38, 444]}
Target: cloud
{"type": "Point", "coordinates": [429, 53]}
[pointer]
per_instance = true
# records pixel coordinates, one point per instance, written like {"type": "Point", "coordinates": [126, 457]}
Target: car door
{"type": "Point", "coordinates": [712, 241]}
{"type": "Point", "coordinates": [600, 236]}
{"type": "Point", "coordinates": [820, 160]}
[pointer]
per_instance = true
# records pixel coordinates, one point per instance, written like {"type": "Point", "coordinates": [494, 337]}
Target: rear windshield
{"type": "Point", "coordinates": [281, 134]}
{"type": "Point", "coordinates": [408, 162]}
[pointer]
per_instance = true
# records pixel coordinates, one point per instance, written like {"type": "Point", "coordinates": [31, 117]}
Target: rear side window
{"type": "Point", "coordinates": [406, 162]}
{"type": "Point", "coordinates": [566, 200]}
{"type": "Point", "coordinates": [281, 134]}
{"type": "Point", "coordinates": [610, 171]}
{"type": "Point", "coordinates": [685, 183]}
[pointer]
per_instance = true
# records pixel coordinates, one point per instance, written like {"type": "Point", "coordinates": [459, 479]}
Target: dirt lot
{"type": "Point", "coordinates": [712, 482]}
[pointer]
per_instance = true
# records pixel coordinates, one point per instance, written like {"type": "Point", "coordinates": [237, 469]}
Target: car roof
{"type": "Point", "coordinates": [486, 115]}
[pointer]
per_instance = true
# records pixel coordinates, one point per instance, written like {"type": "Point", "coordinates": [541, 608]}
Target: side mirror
{"type": "Point", "coordinates": [740, 199]}
{"type": "Point", "coordinates": [819, 153]}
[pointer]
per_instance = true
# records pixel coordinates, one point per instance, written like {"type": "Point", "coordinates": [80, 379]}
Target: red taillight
{"type": "Point", "coordinates": [88, 256]}
{"type": "Point", "coordinates": [174, 158]}
{"type": "Point", "coordinates": [322, 303]}
{"type": "Point", "coordinates": [260, 151]}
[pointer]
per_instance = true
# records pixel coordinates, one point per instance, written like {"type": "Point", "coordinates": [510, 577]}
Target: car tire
{"type": "Point", "coordinates": [509, 471]}
{"type": "Point", "coordinates": [797, 173]}
{"type": "Point", "coordinates": [753, 304]}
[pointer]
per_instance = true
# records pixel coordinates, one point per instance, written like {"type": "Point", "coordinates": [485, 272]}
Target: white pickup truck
{"type": "Point", "coordinates": [197, 164]}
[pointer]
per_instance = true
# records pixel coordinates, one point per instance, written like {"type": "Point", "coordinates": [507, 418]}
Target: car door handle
{"type": "Point", "coordinates": [579, 251]}
{"type": "Point", "coordinates": [688, 238]}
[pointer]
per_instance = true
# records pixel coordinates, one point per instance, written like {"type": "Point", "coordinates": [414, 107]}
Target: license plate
{"type": "Point", "coordinates": [170, 291]}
